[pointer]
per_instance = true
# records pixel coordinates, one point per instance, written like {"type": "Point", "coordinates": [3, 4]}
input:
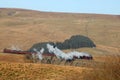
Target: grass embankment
{"type": "Point", "coordinates": [27, 71]}
{"type": "Point", "coordinates": [7, 57]}
{"type": "Point", "coordinates": [109, 71]}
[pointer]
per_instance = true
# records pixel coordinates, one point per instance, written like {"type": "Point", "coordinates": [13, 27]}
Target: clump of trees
{"type": "Point", "coordinates": [76, 41]}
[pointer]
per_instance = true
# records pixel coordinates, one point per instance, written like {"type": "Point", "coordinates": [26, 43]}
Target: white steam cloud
{"type": "Point", "coordinates": [38, 53]}
{"type": "Point", "coordinates": [68, 56]}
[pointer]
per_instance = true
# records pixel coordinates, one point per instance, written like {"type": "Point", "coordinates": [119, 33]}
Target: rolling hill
{"type": "Point", "coordinates": [25, 28]}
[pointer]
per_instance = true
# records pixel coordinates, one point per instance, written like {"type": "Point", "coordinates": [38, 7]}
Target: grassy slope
{"type": "Point", "coordinates": [18, 71]}
{"type": "Point", "coordinates": [5, 57]}
{"type": "Point", "coordinates": [14, 67]}
{"type": "Point", "coordinates": [29, 71]}
{"type": "Point", "coordinates": [25, 28]}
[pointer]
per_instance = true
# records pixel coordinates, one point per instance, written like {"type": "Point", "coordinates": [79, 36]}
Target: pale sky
{"type": "Point", "coordinates": [74, 6]}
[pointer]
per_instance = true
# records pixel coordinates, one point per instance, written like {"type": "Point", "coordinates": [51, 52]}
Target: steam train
{"type": "Point", "coordinates": [44, 54]}
{"type": "Point", "coordinates": [24, 52]}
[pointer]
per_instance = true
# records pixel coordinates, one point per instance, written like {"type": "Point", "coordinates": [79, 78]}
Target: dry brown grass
{"type": "Point", "coordinates": [29, 71]}
{"type": "Point", "coordinates": [18, 71]}
{"type": "Point", "coordinates": [14, 58]}
{"type": "Point", "coordinates": [109, 71]}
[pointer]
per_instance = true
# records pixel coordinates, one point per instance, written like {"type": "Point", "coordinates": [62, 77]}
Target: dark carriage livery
{"type": "Point", "coordinates": [23, 52]}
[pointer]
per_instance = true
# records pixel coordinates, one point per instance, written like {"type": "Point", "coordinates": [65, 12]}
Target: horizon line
{"type": "Point", "coordinates": [67, 12]}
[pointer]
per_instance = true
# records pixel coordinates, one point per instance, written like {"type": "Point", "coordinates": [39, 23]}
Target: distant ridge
{"type": "Point", "coordinates": [58, 13]}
